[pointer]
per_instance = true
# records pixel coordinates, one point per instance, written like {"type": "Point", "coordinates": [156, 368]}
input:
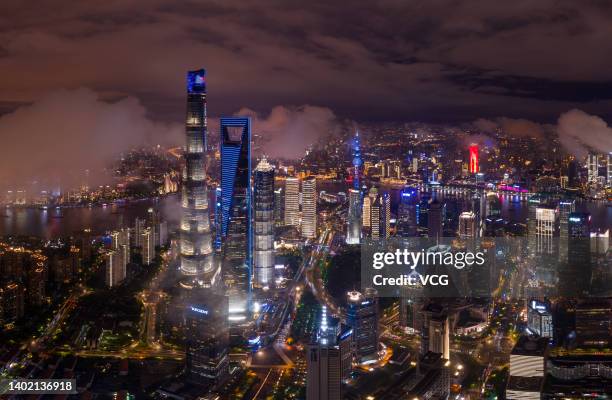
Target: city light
{"type": "Point", "coordinates": [362, 212]}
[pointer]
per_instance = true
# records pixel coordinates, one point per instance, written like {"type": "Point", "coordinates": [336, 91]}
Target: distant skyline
{"type": "Point", "coordinates": [445, 61]}
{"type": "Point", "coordinates": [83, 82]}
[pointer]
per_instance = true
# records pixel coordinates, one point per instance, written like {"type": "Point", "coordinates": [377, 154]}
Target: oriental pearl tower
{"type": "Point", "coordinates": [354, 219]}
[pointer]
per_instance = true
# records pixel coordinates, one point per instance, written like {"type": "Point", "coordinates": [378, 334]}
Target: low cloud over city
{"type": "Point", "coordinates": [65, 132]}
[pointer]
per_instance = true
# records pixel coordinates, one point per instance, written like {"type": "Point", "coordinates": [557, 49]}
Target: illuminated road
{"type": "Point", "coordinates": [167, 354]}
{"type": "Point", "coordinates": [20, 359]}
{"type": "Point", "coordinates": [312, 273]}
{"type": "Point", "coordinates": [150, 298]}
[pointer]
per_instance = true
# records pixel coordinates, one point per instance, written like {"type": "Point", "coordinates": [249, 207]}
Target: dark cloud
{"type": "Point", "coordinates": [430, 61]}
{"type": "Point", "coordinates": [488, 82]}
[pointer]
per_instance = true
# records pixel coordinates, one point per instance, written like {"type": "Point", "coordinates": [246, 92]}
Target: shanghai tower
{"type": "Point", "coordinates": [198, 264]}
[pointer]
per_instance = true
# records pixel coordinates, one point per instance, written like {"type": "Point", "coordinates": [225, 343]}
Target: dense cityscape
{"type": "Point", "coordinates": [255, 292]}
{"type": "Point", "coordinates": [229, 262]}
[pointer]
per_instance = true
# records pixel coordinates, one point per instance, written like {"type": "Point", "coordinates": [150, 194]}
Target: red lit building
{"type": "Point", "coordinates": [473, 158]}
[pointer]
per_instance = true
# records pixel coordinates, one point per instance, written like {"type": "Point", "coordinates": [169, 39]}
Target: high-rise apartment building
{"type": "Point", "coordinates": [114, 268]}
{"type": "Point", "coordinates": [292, 201]}
{"type": "Point", "coordinates": [309, 208]}
{"type": "Point", "coordinates": [367, 208]}
{"type": "Point", "coordinates": [279, 203]}
{"type": "Point", "coordinates": [592, 167]}
{"type": "Point", "coordinates": [148, 246]}
{"type": "Point", "coordinates": [354, 218]}
{"type": "Point", "coordinates": [380, 217]}
{"type": "Point", "coordinates": [545, 227]}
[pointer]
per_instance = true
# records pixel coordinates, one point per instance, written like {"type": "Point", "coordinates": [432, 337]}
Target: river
{"type": "Point", "coordinates": [56, 222]}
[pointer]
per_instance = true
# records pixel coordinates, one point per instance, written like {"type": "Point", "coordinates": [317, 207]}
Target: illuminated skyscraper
{"type": "Point", "coordinates": [353, 223]}
{"type": "Point", "coordinates": [292, 201]}
{"type": "Point", "coordinates": [264, 224]}
{"type": "Point", "coordinates": [218, 214]}
{"type": "Point", "coordinates": [357, 162]}
{"type": "Point", "coordinates": [148, 246]}
{"type": "Point", "coordinates": [11, 302]}
{"type": "Point", "coordinates": [575, 277]}
{"type": "Point", "coordinates": [377, 214]}
{"type": "Point", "coordinates": [381, 217]}
{"type": "Point", "coordinates": [197, 260]}
{"type": "Point", "coordinates": [439, 335]}
{"type": "Point", "coordinates": [354, 218]}
{"type": "Point", "coordinates": [309, 208]}
{"type": "Point", "coordinates": [593, 167]}
{"type": "Point", "coordinates": [115, 268]}
{"type": "Point", "coordinates": [539, 319]}
{"type": "Point", "coordinates": [207, 339]}
{"type": "Point", "coordinates": [474, 167]}
{"type": "Point", "coordinates": [573, 175]}
{"type": "Point", "coordinates": [467, 225]}
{"type": "Point", "coordinates": [279, 200]}
{"type": "Point", "coordinates": [367, 208]}
{"type": "Point", "coordinates": [329, 359]}
{"type": "Point", "coordinates": [406, 213]}
{"type": "Point", "coordinates": [566, 207]}
{"type": "Point", "coordinates": [546, 218]}
{"type": "Point", "coordinates": [362, 318]}
{"type": "Point", "coordinates": [609, 169]}
{"type": "Point", "coordinates": [435, 218]}
{"type": "Point", "coordinates": [236, 188]}
{"type": "Point", "coordinates": [236, 210]}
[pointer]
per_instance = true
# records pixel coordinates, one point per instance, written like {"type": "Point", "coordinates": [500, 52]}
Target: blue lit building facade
{"type": "Point", "coordinates": [218, 214]}
{"type": "Point", "coordinates": [407, 212]}
{"type": "Point", "coordinates": [357, 161]}
{"type": "Point", "coordinates": [236, 210]}
{"type": "Point", "coordinates": [355, 212]}
{"type": "Point", "coordinates": [198, 264]}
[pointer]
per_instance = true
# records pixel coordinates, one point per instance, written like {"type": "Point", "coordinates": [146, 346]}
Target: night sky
{"type": "Point", "coordinates": [436, 61]}
{"type": "Point", "coordinates": [389, 60]}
